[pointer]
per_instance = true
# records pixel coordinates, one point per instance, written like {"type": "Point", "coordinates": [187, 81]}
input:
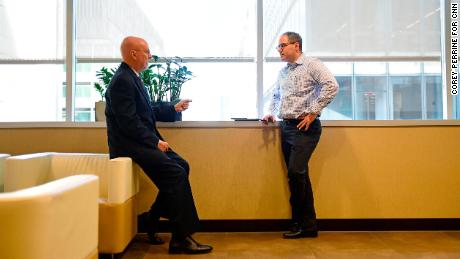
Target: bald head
{"type": "Point", "coordinates": [135, 52]}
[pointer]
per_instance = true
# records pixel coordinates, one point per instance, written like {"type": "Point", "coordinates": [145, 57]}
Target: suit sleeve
{"type": "Point", "coordinates": [164, 112]}
{"type": "Point", "coordinates": [123, 103]}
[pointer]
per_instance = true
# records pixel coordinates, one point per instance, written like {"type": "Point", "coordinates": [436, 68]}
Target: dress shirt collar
{"type": "Point", "coordinates": [135, 72]}
{"type": "Point", "coordinates": [298, 62]}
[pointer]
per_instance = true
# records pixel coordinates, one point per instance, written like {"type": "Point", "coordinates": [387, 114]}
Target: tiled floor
{"type": "Point", "coordinates": [414, 244]}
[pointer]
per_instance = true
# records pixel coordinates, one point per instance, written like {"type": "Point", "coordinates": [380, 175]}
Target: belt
{"type": "Point", "coordinates": [296, 121]}
{"type": "Point", "coordinates": [291, 121]}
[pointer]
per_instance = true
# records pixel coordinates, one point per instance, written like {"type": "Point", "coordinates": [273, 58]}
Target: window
{"type": "Point", "coordinates": [206, 37]}
{"type": "Point", "coordinates": [456, 107]}
{"type": "Point", "coordinates": [31, 58]}
{"type": "Point", "coordinates": [341, 107]}
{"type": "Point", "coordinates": [371, 97]}
{"type": "Point", "coordinates": [370, 35]}
{"type": "Point", "coordinates": [31, 92]}
{"type": "Point", "coordinates": [385, 54]}
{"type": "Point", "coordinates": [221, 91]}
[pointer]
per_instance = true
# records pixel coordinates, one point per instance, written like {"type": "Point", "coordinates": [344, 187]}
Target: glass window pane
{"type": "Point", "coordinates": [407, 97]}
{"type": "Point", "coordinates": [457, 107]}
{"type": "Point", "coordinates": [271, 70]}
{"type": "Point", "coordinates": [340, 68]}
{"type": "Point", "coordinates": [341, 107]}
{"type": "Point", "coordinates": [398, 68]}
{"type": "Point", "coordinates": [85, 94]}
{"type": "Point", "coordinates": [433, 97]}
{"type": "Point", "coordinates": [281, 16]}
{"type": "Point", "coordinates": [200, 28]}
{"type": "Point", "coordinates": [432, 67]}
{"type": "Point", "coordinates": [368, 24]}
{"type": "Point", "coordinates": [32, 29]}
{"type": "Point", "coordinates": [83, 114]}
{"type": "Point", "coordinates": [415, 27]}
{"type": "Point", "coordinates": [360, 27]}
{"type": "Point", "coordinates": [220, 91]}
{"type": "Point", "coordinates": [371, 98]}
{"type": "Point", "coordinates": [370, 68]}
{"type": "Point", "coordinates": [31, 93]}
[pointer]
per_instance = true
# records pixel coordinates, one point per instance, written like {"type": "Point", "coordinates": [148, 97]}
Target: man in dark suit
{"type": "Point", "coordinates": [131, 129]}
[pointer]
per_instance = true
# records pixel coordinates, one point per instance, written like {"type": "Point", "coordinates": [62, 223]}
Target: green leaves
{"type": "Point", "coordinates": [164, 80]}
{"type": "Point", "coordinates": [104, 76]}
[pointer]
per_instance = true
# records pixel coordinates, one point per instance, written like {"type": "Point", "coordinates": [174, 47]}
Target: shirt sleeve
{"type": "Point", "coordinates": [327, 83]}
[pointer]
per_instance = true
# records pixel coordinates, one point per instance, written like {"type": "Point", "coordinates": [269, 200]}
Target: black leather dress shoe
{"type": "Point", "coordinates": [155, 239]}
{"type": "Point", "coordinates": [188, 246]}
{"type": "Point", "coordinates": [301, 232]}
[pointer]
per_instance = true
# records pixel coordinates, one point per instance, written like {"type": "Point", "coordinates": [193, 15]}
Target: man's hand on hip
{"type": "Point", "coordinates": [306, 121]}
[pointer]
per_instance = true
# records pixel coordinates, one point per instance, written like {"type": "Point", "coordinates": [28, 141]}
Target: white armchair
{"type": "Point", "coordinates": [2, 169]}
{"type": "Point", "coordinates": [118, 185]}
{"type": "Point", "coordinates": [58, 220]}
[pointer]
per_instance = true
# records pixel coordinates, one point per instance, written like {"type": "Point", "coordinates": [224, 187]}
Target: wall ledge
{"type": "Point", "coordinates": [238, 124]}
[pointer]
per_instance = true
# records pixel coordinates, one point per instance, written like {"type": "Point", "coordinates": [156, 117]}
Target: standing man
{"type": "Point", "coordinates": [304, 87]}
{"type": "Point", "coordinates": [132, 132]}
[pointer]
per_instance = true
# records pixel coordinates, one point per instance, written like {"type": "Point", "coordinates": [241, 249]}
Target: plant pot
{"type": "Point", "coordinates": [100, 111]}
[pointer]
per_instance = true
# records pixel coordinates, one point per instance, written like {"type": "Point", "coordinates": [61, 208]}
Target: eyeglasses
{"type": "Point", "coordinates": [283, 45]}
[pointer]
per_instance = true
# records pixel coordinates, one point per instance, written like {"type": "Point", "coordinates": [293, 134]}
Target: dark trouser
{"type": "Point", "coordinates": [169, 172]}
{"type": "Point", "coordinates": [298, 146]}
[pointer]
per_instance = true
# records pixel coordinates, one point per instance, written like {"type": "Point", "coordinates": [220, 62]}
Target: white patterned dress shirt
{"type": "Point", "coordinates": [307, 86]}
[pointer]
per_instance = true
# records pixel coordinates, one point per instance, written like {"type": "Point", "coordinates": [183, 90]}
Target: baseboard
{"type": "Point", "coordinates": [403, 224]}
{"type": "Point", "coordinates": [270, 225]}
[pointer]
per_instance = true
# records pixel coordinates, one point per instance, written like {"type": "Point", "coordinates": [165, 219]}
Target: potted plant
{"type": "Point", "coordinates": [104, 76]}
{"type": "Point", "coordinates": [164, 81]}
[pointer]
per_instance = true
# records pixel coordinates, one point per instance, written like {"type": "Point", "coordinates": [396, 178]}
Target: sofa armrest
{"type": "Point", "coordinates": [117, 179]}
{"type": "Point", "coordinates": [58, 219]}
{"type": "Point", "coordinates": [123, 181]}
{"type": "Point", "coordinates": [26, 171]}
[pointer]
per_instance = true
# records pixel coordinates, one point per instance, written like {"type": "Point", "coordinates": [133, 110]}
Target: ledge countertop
{"type": "Point", "coordinates": [239, 124]}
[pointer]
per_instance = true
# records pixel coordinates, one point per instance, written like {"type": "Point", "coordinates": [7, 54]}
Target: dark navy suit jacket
{"type": "Point", "coordinates": [130, 116]}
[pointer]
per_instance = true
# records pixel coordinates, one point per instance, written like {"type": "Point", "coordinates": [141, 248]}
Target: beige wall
{"type": "Point", "coordinates": [238, 173]}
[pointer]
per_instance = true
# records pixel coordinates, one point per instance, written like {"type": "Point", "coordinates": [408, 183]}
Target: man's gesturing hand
{"type": "Point", "coordinates": [182, 105]}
